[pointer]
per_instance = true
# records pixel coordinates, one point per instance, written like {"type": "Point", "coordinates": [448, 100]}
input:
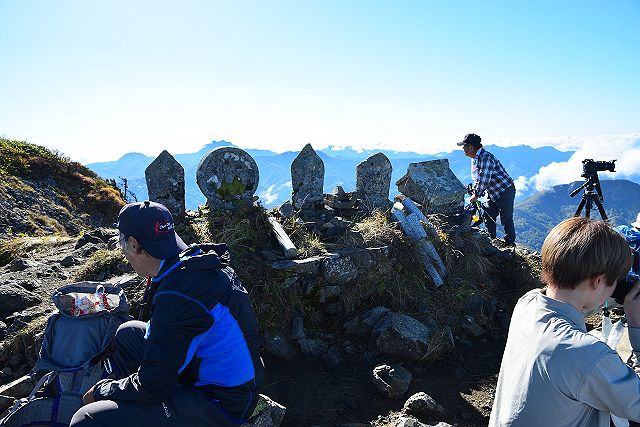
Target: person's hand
{"type": "Point", "coordinates": [632, 306]}
{"type": "Point", "coordinates": [88, 396]}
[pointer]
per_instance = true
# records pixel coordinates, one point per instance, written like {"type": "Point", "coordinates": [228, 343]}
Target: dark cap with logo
{"type": "Point", "coordinates": [152, 225]}
{"type": "Point", "coordinates": [471, 139]}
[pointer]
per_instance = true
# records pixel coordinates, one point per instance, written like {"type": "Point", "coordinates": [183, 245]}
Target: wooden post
{"type": "Point", "coordinates": [287, 245]}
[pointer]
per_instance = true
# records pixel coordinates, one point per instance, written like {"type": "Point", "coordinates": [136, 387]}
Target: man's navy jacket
{"type": "Point", "coordinates": [202, 332]}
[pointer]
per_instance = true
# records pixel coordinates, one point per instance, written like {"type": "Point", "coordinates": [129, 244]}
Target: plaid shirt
{"type": "Point", "coordinates": [489, 175]}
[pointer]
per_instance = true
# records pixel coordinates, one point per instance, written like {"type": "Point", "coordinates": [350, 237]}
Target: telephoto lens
{"type": "Point", "coordinates": [624, 286]}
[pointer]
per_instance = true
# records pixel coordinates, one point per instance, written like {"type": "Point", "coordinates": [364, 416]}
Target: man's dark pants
{"type": "Point", "coordinates": [187, 407]}
{"type": "Point", "coordinates": [504, 207]}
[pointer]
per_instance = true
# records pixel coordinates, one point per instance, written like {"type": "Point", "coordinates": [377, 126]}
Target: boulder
{"type": "Point", "coordinates": [277, 345]}
{"type": "Point", "coordinates": [392, 382]}
{"type": "Point", "coordinates": [20, 264]}
{"type": "Point", "coordinates": [363, 324]}
{"type": "Point", "coordinates": [165, 183]}
{"type": "Point", "coordinates": [15, 298]}
{"type": "Point", "coordinates": [313, 348]}
{"type": "Point", "coordinates": [268, 413]}
{"type": "Point", "coordinates": [434, 185]}
{"type": "Point", "coordinates": [401, 336]}
{"type": "Point", "coordinates": [422, 405]}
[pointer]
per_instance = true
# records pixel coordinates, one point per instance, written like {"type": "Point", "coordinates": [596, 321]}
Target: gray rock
{"type": "Point", "coordinates": [392, 382]}
{"type": "Point", "coordinates": [401, 336]}
{"type": "Point", "coordinates": [471, 327]}
{"type": "Point", "coordinates": [297, 328]}
{"type": "Point", "coordinates": [422, 405]}
{"type": "Point", "coordinates": [333, 358]}
{"type": "Point", "coordinates": [373, 178]}
{"type": "Point", "coordinates": [339, 269]}
{"type": "Point", "coordinates": [3, 330]}
{"type": "Point", "coordinates": [313, 348]}
{"type": "Point", "coordinates": [20, 264]}
{"type": "Point", "coordinates": [363, 324]}
{"type": "Point", "coordinates": [226, 176]}
{"type": "Point", "coordinates": [408, 422]}
{"type": "Point", "coordinates": [327, 292]}
{"type": "Point", "coordinates": [433, 185]}
{"type": "Point", "coordinates": [286, 209]}
{"type": "Point", "coordinates": [15, 298]}
{"type": "Point", "coordinates": [18, 388]}
{"type": "Point", "coordinates": [268, 413]}
{"type": "Point", "coordinates": [277, 345]}
{"type": "Point", "coordinates": [339, 194]}
{"type": "Point", "coordinates": [310, 266]}
{"type": "Point", "coordinates": [126, 281]}
{"type": "Point", "coordinates": [307, 179]}
{"type": "Point", "coordinates": [165, 183]}
{"type": "Point", "coordinates": [69, 261]}
{"type": "Point", "coordinates": [89, 249]}
{"type": "Point", "coordinates": [92, 236]}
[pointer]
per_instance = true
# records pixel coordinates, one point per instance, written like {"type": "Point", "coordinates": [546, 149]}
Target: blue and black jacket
{"type": "Point", "coordinates": [202, 332]}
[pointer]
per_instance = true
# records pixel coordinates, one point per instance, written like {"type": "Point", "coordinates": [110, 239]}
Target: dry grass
{"type": "Point", "coordinates": [21, 246]}
{"type": "Point", "coordinates": [102, 260]}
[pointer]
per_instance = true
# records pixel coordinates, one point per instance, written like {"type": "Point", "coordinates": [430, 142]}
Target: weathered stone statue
{"type": "Point", "coordinates": [373, 177]}
{"type": "Point", "coordinates": [307, 179]}
{"type": "Point", "coordinates": [227, 176]}
{"type": "Point", "coordinates": [165, 183]}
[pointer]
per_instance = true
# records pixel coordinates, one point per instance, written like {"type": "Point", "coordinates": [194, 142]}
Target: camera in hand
{"type": "Point", "coordinates": [624, 286]}
{"type": "Point", "coordinates": [592, 167]}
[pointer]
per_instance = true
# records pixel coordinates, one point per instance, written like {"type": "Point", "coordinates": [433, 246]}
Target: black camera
{"type": "Point", "coordinates": [624, 286]}
{"type": "Point", "coordinates": [591, 167]}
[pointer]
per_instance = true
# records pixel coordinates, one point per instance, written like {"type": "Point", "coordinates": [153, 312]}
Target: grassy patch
{"type": "Point", "coordinates": [102, 260]}
{"type": "Point", "coordinates": [21, 246]}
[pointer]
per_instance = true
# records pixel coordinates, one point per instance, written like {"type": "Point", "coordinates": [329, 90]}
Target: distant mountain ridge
{"type": "Point", "coordinates": [340, 168]}
{"type": "Point", "coordinates": [535, 216]}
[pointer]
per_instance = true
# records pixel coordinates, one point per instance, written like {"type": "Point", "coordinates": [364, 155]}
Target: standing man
{"type": "Point", "coordinates": [490, 176]}
{"type": "Point", "coordinates": [196, 362]}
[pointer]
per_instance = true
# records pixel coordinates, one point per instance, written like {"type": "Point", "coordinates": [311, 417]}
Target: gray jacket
{"type": "Point", "coordinates": [555, 374]}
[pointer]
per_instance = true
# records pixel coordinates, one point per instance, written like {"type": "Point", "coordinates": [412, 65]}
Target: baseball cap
{"type": "Point", "coordinates": [470, 138]}
{"type": "Point", "coordinates": [152, 225]}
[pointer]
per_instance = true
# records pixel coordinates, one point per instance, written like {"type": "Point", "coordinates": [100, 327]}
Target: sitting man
{"type": "Point", "coordinates": [553, 372]}
{"type": "Point", "coordinates": [196, 362]}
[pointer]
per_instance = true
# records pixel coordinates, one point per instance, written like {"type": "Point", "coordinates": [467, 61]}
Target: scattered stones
{"type": "Point", "coordinates": [94, 236]}
{"type": "Point", "coordinates": [313, 348]}
{"type": "Point", "coordinates": [408, 422]}
{"type": "Point", "coordinates": [373, 177]}
{"type": "Point", "coordinates": [307, 179]}
{"type": "Point", "coordinates": [401, 336]}
{"type": "Point", "coordinates": [277, 345]}
{"type": "Point", "coordinates": [15, 298]}
{"type": "Point", "coordinates": [435, 186]}
{"type": "Point", "coordinates": [268, 413]}
{"type": "Point", "coordinates": [363, 324]}
{"type": "Point", "coordinates": [226, 176]}
{"type": "Point", "coordinates": [20, 264]}
{"type": "Point", "coordinates": [422, 405]}
{"type": "Point", "coordinates": [392, 382]}
{"type": "Point", "coordinates": [165, 183]}
{"type": "Point", "coordinates": [69, 261]}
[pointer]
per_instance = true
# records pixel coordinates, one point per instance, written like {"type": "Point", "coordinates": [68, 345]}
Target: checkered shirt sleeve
{"type": "Point", "coordinates": [491, 175]}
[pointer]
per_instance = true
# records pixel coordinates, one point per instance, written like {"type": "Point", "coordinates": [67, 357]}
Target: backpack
{"type": "Point", "coordinates": [73, 351]}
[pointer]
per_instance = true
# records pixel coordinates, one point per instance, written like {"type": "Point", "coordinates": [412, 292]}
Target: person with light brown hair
{"type": "Point", "coordinates": [553, 372]}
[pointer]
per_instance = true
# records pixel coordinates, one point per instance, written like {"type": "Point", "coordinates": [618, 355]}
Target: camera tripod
{"type": "Point", "coordinates": [592, 194]}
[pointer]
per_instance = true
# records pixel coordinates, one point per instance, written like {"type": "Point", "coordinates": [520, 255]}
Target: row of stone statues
{"type": "Point", "coordinates": [229, 175]}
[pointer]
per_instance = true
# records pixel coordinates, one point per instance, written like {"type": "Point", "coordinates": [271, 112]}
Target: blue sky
{"type": "Point", "coordinates": [100, 79]}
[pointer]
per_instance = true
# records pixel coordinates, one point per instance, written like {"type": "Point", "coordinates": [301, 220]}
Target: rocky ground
{"type": "Point", "coordinates": [358, 388]}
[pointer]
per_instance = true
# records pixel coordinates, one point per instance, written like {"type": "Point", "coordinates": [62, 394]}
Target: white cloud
{"type": "Point", "coordinates": [624, 148]}
{"type": "Point", "coordinates": [522, 185]}
{"type": "Point", "coordinates": [268, 196]}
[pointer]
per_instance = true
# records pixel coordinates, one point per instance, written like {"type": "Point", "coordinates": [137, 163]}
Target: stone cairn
{"type": "Point", "coordinates": [165, 183]}
{"type": "Point", "coordinates": [227, 176]}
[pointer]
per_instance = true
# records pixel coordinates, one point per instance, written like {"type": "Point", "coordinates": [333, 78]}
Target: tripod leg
{"type": "Point", "coordinates": [587, 209]}
{"type": "Point", "coordinates": [603, 214]}
{"type": "Point", "coordinates": [580, 206]}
